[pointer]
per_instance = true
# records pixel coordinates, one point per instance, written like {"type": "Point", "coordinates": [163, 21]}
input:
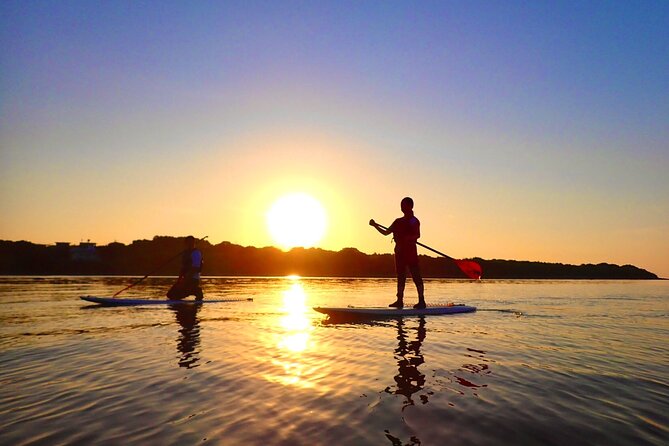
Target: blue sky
{"type": "Point", "coordinates": [545, 124]}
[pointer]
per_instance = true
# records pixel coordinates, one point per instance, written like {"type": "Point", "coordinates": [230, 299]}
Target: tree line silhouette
{"type": "Point", "coordinates": [228, 259]}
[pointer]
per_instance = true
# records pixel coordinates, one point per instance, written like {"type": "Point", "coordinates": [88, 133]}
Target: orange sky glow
{"type": "Point", "coordinates": [531, 141]}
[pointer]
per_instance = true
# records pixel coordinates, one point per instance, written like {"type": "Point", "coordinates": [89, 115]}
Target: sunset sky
{"type": "Point", "coordinates": [523, 130]}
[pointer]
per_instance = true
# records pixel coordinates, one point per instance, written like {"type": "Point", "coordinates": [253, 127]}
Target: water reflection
{"type": "Point", "coordinates": [294, 322]}
{"type": "Point", "coordinates": [293, 338]}
{"type": "Point", "coordinates": [409, 378]}
{"type": "Point", "coordinates": [189, 334]}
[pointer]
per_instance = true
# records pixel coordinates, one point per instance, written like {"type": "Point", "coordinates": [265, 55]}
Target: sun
{"type": "Point", "coordinates": [296, 219]}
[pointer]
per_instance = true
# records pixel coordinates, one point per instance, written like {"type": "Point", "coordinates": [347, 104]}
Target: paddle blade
{"type": "Point", "coordinates": [470, 268]}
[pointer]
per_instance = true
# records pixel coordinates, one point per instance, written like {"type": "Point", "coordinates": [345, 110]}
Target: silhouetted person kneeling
{"type": "Point", "coordinates": [406, 231]}
{"type": "Point", "coordinates": [188, 283]}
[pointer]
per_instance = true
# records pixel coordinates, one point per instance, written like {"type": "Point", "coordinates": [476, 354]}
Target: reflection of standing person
{"type": "Point", "coordinates": [188, 283]}
{"type": "Point", "coordinates": [406, 232]}
{"type": "Point", "coordinates": [189, 334]}
{"type": "Point", "coordinates": [409, 379]}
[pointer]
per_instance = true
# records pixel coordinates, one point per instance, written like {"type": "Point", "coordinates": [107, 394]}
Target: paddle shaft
{"type": "Point", "coordinates": [153, 271]}
{"type": "Point", "coordinates": [424, 246]}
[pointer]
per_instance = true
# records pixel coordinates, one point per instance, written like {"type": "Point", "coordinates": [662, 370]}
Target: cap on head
{"type": "Point", "coordinates": [407, 203]}
{"type": "Point", "coordinates": [190, 240]}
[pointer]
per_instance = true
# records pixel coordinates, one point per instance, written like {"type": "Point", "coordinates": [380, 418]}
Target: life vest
{"type": "Point", "coordinates": [192, 259]}
{"type": "Point", "coordinates": [402, 227]}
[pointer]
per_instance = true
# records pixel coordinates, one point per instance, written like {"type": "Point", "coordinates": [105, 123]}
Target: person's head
{"type": "Point", "coordinates": [189, 242]}
{"type": "Point", "coordinates": [406, 205]}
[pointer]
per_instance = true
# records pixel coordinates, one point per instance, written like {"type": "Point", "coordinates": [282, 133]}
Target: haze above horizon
{"type": "Point", "coordinates": [522, 131]}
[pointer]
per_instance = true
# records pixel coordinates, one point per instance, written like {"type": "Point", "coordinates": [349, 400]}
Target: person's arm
{"type": "Point", "coordinates": [379, 228]}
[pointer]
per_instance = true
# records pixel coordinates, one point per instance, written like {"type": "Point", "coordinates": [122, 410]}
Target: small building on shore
{"type": "Point", "coordinates": [84, 252]}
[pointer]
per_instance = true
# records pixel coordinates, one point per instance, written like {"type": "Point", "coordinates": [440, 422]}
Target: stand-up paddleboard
{"type": "Point", "coordinates": [111, 301]}
{"type": "Point", "coordinates": [392, 312]}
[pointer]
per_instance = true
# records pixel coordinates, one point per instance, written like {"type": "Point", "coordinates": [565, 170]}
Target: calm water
{"type": "Point", "coordinates": [565, 362]}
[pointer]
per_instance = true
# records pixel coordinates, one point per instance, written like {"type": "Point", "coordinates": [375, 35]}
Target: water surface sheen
{"type": "Point", "coordinates": [563, 362]}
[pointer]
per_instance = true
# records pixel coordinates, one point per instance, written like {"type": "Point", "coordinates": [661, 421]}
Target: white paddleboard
{"type": "Point", "coordinates": [390, 312]}
{"type": "Point", "coordinates": [121, 302]}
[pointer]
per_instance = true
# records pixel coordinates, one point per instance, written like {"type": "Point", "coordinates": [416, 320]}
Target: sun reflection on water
{"type": "Point", "coordinates": [293, 339]}
{"type": "Point", "coordinates": [294, 322]}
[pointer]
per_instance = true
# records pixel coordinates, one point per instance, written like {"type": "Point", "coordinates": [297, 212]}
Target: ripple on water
{"type": "Point", "coordinates": [573, 369]}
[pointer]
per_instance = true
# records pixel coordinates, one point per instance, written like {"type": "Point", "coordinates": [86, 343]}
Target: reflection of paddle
{"type": "Point", "coordinates": [153, 271]}
{"type": "Point", "coordinates": [469, 267]}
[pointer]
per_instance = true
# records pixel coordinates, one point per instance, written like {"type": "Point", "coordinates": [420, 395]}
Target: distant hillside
{"type": "Point", "coordinates": [227, 259]}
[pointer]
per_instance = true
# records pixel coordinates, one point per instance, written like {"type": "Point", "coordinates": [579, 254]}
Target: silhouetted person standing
{"type": "Point", "coordinates": [406, 231]}
{"type": "Point", "coordinates": [188, 283]}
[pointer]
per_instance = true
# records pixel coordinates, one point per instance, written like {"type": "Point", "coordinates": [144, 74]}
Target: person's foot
{"type": "Point", "coordinates": [397, 304]}
{"type": "Point", "coordinates": [420, 305]}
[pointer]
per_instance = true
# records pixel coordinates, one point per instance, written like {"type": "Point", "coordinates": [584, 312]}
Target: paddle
{"type": "Point", "coordinates": [469, 267]}
{"type": "Point", "coordinates": [153, 271]}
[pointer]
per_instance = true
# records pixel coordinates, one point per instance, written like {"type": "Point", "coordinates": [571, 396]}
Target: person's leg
{"type": "Point", "coordinates": [197, 290]}
{"type": "Point", "coordinates": [401, 270]}
{"type": "Point", "coordinates": [177, 291]}
{"type": "Point", "coordinates": [192, 288]}
{"type": "Point", "coordinates": [420, 287]}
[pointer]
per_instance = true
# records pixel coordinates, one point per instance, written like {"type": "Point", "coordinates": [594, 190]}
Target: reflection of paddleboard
{"type": "Point", "coordinates": [390, 312]}
{"type": "Point", "coordinates": [121, 302]}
